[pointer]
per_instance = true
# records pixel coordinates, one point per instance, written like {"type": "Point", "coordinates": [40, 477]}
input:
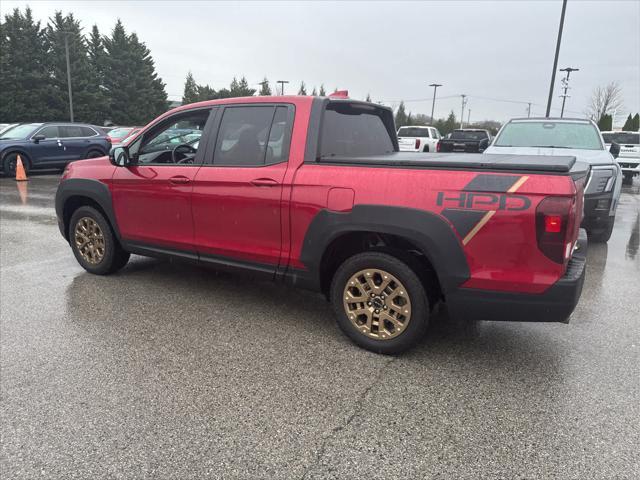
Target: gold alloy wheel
{"type": "Point", "coordinates": [377, 304]}
{"type": "Point", "coordinates": [89, 240]}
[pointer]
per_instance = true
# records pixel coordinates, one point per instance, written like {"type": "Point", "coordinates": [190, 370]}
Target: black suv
{"type": "Point", "coordinates": [50, 145]}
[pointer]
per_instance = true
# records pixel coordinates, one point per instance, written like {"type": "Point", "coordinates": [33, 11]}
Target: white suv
{"type": "Point", "coordinates": [629, 156]}
{"type": "Point", "coordinates": [418, 138]}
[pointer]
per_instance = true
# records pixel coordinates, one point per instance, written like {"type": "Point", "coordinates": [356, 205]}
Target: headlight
{"type": "Point", "coordinates": [601, 180]}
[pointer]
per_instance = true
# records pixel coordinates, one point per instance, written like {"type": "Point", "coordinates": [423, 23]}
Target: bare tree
{"type": "Point", "coordinates": [604, 100]}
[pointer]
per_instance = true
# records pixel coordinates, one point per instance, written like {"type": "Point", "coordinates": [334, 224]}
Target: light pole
{"type": "Point", "coordinates": [468, 117]}
{"type": "Point", "coordinates": [433, 104]}
{"type": "Point", "coordinates": [555, 60]}
{"type": "Point", "coordinates": [529, 109]}
{"type": "Point", "coordinates": [282, 82]}
{"type": "Point", "coordinates": [66, 50]}
{"type": "Point", "coordinates": [462, 112]}
{"type": "Point", "coordinates": [565, 84]}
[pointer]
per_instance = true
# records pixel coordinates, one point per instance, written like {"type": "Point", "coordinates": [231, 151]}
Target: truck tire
{"type": "Point", "coordinates": [426, 149]}
{"type": "Point", "coordinates": [10, 161]}
{"type": "Point", "coordinates": [627, 179]}
{"type": "Point", "coordinates": [603, 235]}
{"type": "Point", "coordinates": [93, 243]}
{"type": "Point", "coordinates": [379, 302]}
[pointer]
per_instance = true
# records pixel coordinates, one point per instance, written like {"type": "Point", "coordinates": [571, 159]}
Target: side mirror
{"type": "Point", "coordinates": [614, 150]}
{"type": "Point", "coordinates": [119, 156]}
{"type": "Point", "coordinates": [38, 138]}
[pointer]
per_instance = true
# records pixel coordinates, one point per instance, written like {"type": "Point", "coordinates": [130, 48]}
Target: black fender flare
{"type": "Point", "coordinates": [431, 233]}
{"type": "Point", "coordinates": [82, 187]}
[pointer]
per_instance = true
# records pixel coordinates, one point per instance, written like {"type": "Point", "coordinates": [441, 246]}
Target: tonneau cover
{"type": "Point", "coordinates": [530, 163]}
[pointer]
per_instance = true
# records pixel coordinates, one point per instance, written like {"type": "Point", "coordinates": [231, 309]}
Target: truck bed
{"type": "Point", "coordinates": [468, 161]}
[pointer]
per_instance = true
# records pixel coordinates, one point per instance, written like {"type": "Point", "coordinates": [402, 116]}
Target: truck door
{"type": "Point", "coordinates": [237, 193]}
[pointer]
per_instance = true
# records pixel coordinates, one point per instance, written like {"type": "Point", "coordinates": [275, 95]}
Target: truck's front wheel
{"type": "Point", "coordinates": [379, 302]}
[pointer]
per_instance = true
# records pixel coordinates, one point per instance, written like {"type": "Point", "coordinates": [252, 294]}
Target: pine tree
{"type": "Point", "coordinates": [137, 94]}
{"type": "Point", "coordinates": [191, 94]}
{"type": "Point", "coordinates": [100, 110]}
{"type": "Point", "coordinates": [85, 93]}
{"type": "Point", "coordinates": [265, 89]}
{"type": "Point", "coordinates": [322, 93]}
{"type": "Point", "coordinates": [401, 116]}
{"type": "Point", "coordinates": [303, 89]}
{"type": "Point", "coordinates": [205, 92]}
{"type": "Point", "coordinates": [24, 72]}
{"type": "Point", "coordinates": [410, 119]}
{"type": "Point", "coordinates": [605, 123]}
{"type": "Point", "coordinates": [314, 92]}
{"type": "Point", "coordinates": [240, 88]}
{"type": "Point", "coordinates": [636, 123]}
{"type": "Point", "coordinates": [628, 125]}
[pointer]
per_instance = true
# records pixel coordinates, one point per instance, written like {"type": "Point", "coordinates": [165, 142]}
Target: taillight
{"type": "Point", "coordinates": [438, 146]}
{"type": "Point", "coordinates": [417, 143]}
{"type": "Point", "coordinates": [553, 218]}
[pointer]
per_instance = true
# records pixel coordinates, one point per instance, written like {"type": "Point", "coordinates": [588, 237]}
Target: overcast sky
{"type": "Point", "coordinates": [392, 50]}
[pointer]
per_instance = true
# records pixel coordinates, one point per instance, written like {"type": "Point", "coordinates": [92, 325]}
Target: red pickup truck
{"type": "Point", "coordinates": [313, 191]}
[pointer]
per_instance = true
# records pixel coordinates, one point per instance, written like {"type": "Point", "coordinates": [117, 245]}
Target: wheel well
{"type": "Point", "coordinates": [352, 243]}
{"type": "Point", "coordinates": [72, 204]}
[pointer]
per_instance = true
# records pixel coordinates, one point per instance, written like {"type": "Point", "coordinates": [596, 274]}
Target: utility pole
{"type": "Point", "coordinates": [468, 117]}
{"type": "Point", "coordinates": [282, 82]}
{"type": "Point", "coordinates": [433, 104]}
{"type": "Point", "coordinates": [66, 49]}
{"type": "Point", "coordinates": [464, 101]}
{"type": "Point", "coordinates": [565, 85]}
{"type": "Point", "coordinates": [529, 109]}
{"type": "Point", "coordinates": [555, 60]}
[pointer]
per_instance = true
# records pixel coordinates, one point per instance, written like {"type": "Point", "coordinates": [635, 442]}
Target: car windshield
{"type": "Point", "coordinates": [622, 138]}
{"type": "Point", "coordinates": [581, 135]}
{"type": "Point", "coordinates": [413, 132]}
{"type": "Point", "coordinates": [120, 132]}
{"type": "Point", "coordinates": [19, 132]}
{"type": "Point", "coordinates": [467, 135]}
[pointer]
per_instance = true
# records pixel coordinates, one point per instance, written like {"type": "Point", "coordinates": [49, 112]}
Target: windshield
{"type": "Point", "coordinates": [467, 135]}
{"type": "Point", "coordinates": [622, 138]}
{"type": "Point", "coordinates": [19, 132]}
{"type": "Point", "coordinates": [120, 132]}
{"type": "Point", "coordinates": [413, 132]}
{"type": "Point", "coordinates": [550, 134]}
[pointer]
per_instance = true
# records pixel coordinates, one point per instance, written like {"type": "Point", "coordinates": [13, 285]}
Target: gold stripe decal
{"type": "Point", "coordinates": [487, 216]}
{"type": "Point", "coordinates": [518, 184]}
{"type": "Point", "coordinates": [478, 226]}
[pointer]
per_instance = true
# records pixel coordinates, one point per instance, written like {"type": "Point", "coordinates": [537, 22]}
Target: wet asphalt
{"type": "Point", "coordinates": [166, 370]}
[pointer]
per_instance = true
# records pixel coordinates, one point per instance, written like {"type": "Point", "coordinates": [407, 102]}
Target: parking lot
{"type": "Point", "coordinates": [173, 371]}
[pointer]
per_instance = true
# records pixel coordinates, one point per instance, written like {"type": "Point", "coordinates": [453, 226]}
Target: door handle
{"type": "Point", "coordinates": [179, 180]}
{"type": "Point", "coordinates": [264, 182]}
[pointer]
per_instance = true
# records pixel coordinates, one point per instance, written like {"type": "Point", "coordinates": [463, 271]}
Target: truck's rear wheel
{"type": "Point", "coordinates": [379, 302]}
{"type": "Point", "coordinates": [93, 242]}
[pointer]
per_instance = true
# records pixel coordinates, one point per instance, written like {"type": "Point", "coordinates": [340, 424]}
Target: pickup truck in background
{"type": "Point", "coordinates": [313, 192]}
{"type": "Point", "coordinates": [580, 138]}
{"type": "Point", "coordinates": [466, 140]}
{"type": "Point", "coordinates": [629, 154]}
{"type": "Point", "coordinates": [418, 138]}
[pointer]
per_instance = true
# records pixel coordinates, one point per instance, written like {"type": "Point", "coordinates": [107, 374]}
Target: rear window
{"type": "Point", "coordinates": [413, 132]}
{"type": "Point", "coordinates": [120, 132]}
{"type": "Point", "coordinates": [465, 135]}
{"type": "Point", "coordinates": [622, 138]}
{"type": "Point", "coordinates": [550, 134]}
{"type": "Point", "coordinates": [352, 130]}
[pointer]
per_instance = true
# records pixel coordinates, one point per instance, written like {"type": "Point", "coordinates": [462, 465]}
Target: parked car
{"type": "Point", "coordinates": [6, 126]}
{"type": "Point", "coordinates": [572, 137]}
{"type": "Point", "coordinates": [469, 140]}
{"type": "Point", "coordinates": [50, 145]}
{"type": "Point", "coordinates": [418, 138]}
{"type": "Point", "coordinates": [118, 134]}
{"type": "Point", "coordinates": [629, 156]}
{"type": "Point", "coordinates": [313, 191]}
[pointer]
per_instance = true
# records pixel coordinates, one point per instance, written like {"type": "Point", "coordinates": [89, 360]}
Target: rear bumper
{"type": "Point", "coordinates": [629, 165]}
{"type": "Point", "coordinates": [554, 305]}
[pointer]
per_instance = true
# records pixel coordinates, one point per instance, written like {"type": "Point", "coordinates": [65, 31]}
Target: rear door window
{"type": "Point", "coordinates": [352, 130]}
{"type": "Point", "coordinates": [242, 137]}
{"type": "Point", "coordinates": [70, 131]}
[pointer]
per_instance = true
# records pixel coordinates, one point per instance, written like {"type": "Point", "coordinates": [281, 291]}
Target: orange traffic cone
{"type": "Point", "coordinates": [21, 175]}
